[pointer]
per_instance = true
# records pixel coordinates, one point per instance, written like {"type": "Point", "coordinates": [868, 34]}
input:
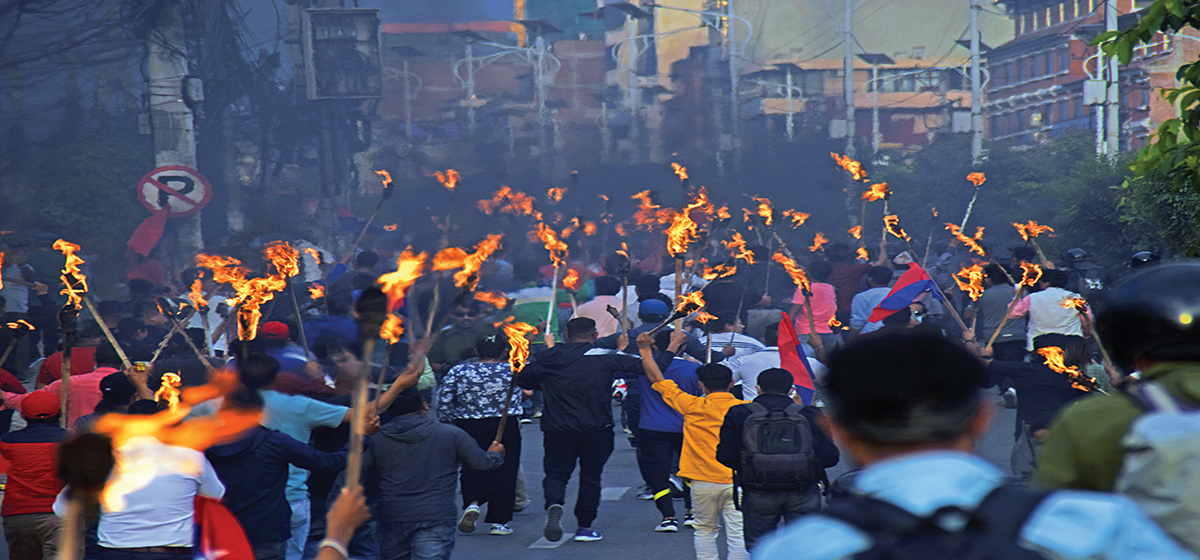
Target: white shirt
{"type": "Point", "coordinates": [746, 369]}
{"type": "Point", "coordinates": [742, 345]}
{"type": "Point", "coordinates": [1047, 315]}
{"type": "Point", "coordinates": [148, 499]}
{"type": "Point", "coordinates": [15, 290]}
{"type": "Point", "coordinates": [214, 323]}
{"type": "Point", "coordinates": [597, 310]}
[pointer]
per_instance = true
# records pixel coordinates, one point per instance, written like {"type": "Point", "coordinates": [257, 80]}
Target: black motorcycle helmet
{"type": "Point", "coordinates": [1072, 256]}
{"type": "Point", "coordinates": [1144, 259]}
{"type": "Point", "coordinates": [1154, 315]}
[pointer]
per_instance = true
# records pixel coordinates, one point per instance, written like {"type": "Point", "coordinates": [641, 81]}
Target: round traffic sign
{"type": "Point", "coordinates": [181, 191]}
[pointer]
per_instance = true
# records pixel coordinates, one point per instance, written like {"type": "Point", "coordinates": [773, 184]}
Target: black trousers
{"type": "Point", "coordinates": [658, 452]}
{"type": "Point", "coordinates": [762, 510]}
{"type": "Point", "coordinates": [498, 487]}
{"type": "Point", "coordinates": [562, 449]}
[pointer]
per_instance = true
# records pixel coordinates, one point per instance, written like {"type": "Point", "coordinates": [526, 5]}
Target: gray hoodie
{"type": "Point", "coordinates": [410, 468]}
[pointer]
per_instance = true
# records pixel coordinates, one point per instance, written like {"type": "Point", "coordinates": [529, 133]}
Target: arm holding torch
{"type": "Point", "coordinates": [1007, 313]}
{"type": "Point", "coordinates": [372, 311]}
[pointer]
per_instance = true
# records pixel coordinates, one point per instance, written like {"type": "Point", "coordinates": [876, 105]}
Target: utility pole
{"type": "Point", "coordinates": [170, 118]}
{"type": "Point", "coordinates": [1112, 107]}
{"type": "Point", "coordinates": [635, 98]}
{"type": "Point", "coordinates": [791, 125]}
{"type": "Point", "coordinates": [848, 81]}
{"type": "Point", "coordinates": [874, 109]}
{"type": "Point", "coordinates": [734, 125]}
{"type": "Point", "coordinates": [976, 88]}
{"type": "Point", "coordinates": [470, 89]}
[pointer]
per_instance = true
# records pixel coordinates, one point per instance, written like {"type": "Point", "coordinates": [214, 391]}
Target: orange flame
{"type": "Point", "coordinates": [196, 296]}
{"type": "Point", "coordinates": [862, 254]}
{"type": "Point", "coordinates": [1078, 304]}
{"type": "Point", "coordinates": [648, 213]}
{"type": "Point", "coordinates": [571, 280]}
{"type": "Point", "coordinates": [834, 323]}
{"type": "Point", "coordinates": [74, 282]}
{"type": "Point", "coordinates": [518, 345]}
{"type": "Point", "coordinates": [764, 209]}
{"type": "Point", "coordinates": [454, 257]}
{"type": "Point", "coordinates": [970, 281]}
{"type": "Point", "coordinates": [555, 194]}
{"type": "Point", "coordinates": [681, 233]}
{"type": "Point", "coordinates": [855, 232]}
{"type": "Point", "coordinates": [589, 228]}
{"type": "Point", "coordinates": [169, 389]}
{"type": "Point", "coordinates": [284, 257]}
{"type": "Point", "coordinates": [496, 298]}
{"type": "Point", "coordinates": [1031, 229]}
{"type": "Point", "coordinates": [21, 325]}
{"type": "Point", "coordinates": [977, 178]}
{"type": "Point", "coordinates": [973, 244]}
{"type": "Point", "coordinates": [391, 227]}
{"type": "Point", "coordinates": [507, 201]}
{"type": "Point", "coordinates": [1054, 360]}
{"type": "Point", "coordinates": [737, 246]}
{"type": "Point", "coordinates": [719, 271]}
{"type": "Point", "coordinates": [316, 291]}
{"type": "Point", "coordinates": [854, 167]}
{"type": "Point", "coordinates": [1031, 274]}
{"type": "Point", "coordinates": [1, 269]}
{"type": "Point", "coordinates": [877, 191]}
{"type": "Point", "coordinates": [558, 249]}
{"type": "Point", "coordinates": [449, 179]}
{"type": "Point", "coordinates": [387, 177]}
{"type": "Point", "coordinates": [723, 213]}
{"type": "Point", "coordinates": [798, 275]}
{"type": "Point", "coordinates": [315, 254]}
{"type": "Point", "coordinates": [680, 170]}
{"type": "Point", "coordinates": [251, 293]}
{"type": "Point", "coordinates": [892, 223]}
{"type": "Point", "coordinates": [690, 303]}
{"type": "Point", "coordinates": [392, 328]}
{"type": "Point", "coordinates": [818, 242]}
{"type": "Point", "coordinates": [798, 218]}
{"type": "Point", "coordinates": [408, 271]}
{"type": "Point", "coordinates": [704, 317]}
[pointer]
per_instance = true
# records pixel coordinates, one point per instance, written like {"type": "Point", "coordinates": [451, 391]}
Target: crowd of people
{"type": "Point", "coordinates": [713, 403]}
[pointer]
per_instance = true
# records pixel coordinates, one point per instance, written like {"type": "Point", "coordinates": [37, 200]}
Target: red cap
{"type": "Point", "coordinates": [273, 330]}
{"type": "Point", "coordinates": [40, 404]}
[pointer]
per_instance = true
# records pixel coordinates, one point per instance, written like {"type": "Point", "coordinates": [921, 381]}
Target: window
{"type": "Point", "coordinates": [1020, 70]}
{"type": "Point", "coordinates": [1064, 64]}
{"type": "Point", "coordinates": [1054, 14]}
{"type": "Point", "coordinates": [994, 125]}
{"type": "Point", "coordinates": [1062, 111]}
{"type": "Point", "coordinates": [1035, 69]}
{"type": "Point", "coordinates": [1070, 107]}
{"type": "Point", "coordinates": [1007, 73]}
{"type": "Point", "coordinates": [1048, 63]}
{"type": "Point", "coordinates": [1082, 8]}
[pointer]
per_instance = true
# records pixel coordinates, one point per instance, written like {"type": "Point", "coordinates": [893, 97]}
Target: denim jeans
{"type": "Point", "coordinates": [415, 540]}
{"type": "Point", "coordinates": [301, 514]}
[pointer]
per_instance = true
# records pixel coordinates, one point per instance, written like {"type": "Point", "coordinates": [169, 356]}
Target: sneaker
{"type": "Point", "coordinates": [587, 535]}
{"type": "Point", "coordinates": [646, 494]}
{"type": "Point", "coordinates": [689, 520]}
{"type": "Point", "coordinates": [466, 523]}
{"type": "Point", "coordinates": [537, 413]}
{"type": "Point", "coordinates": [676, 486]}
{"type": "Point", "coordinates": [553, 530]}
{"type": "Point", "coordinates": [526, 421]}
{"type": "Point", "coordinates": [668, 526]}
{"type": "Point", "coordinates": [1010, 398]}
{"type": "Point", "coordinates": [500, 529]}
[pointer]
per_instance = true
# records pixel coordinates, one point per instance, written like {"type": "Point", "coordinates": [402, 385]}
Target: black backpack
{"type": "Point", "coordinates": [990, 532]}
{"type": "Point", "coordinates": [777, 449]}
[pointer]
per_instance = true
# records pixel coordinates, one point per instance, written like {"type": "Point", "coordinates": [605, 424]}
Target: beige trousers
{"type": "Point", "coordinates": [712, 502]}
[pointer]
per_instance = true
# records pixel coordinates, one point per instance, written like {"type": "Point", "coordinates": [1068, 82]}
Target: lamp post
{"type": "Point", "coordinates": [875, 59]}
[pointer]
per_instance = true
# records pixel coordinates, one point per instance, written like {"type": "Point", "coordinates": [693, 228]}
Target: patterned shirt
{"type": "Point", "coordinates": [475, 390]}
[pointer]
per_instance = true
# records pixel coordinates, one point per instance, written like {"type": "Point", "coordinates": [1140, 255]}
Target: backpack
{"type": "Point", "coordinates": [989, 532]}
{"type": "Point", "coordinates": [1161, 469]}
{"type": "Point", "coordinates": [777, 449]}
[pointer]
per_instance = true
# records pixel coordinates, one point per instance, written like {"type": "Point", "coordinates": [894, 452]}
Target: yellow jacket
{"type": "Point", "coordinates": [702, 419]}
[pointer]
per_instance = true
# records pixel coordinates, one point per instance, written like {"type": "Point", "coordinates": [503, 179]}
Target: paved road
{"type": "Point", "coordinates": [626, 522]}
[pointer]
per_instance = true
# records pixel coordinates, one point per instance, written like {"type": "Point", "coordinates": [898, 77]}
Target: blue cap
{"type": "Point", "coordinates": [652, 307]}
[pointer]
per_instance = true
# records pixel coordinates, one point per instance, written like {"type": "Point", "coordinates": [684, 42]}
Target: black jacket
{"type": "Point", "coordinates": [576, 380]}
{"type": "Point", "coordinates": [254, 470]}
{"type": "Point", "coordinates": [729, 449]}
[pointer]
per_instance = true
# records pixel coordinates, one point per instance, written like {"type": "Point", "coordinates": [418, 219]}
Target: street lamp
{"type": "Point", "coordinates": [875, 59]}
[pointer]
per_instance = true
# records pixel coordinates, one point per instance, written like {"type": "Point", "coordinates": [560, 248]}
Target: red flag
{"type": "Point", "coordinates": [793, 359]}
{"type": "Point", "coordinates": [146, 236]}
{"type": "Point", "coordinates": [221, 535]}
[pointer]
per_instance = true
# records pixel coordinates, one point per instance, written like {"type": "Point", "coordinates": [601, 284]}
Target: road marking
{"type": "Point", "coordinates": [543, 543]}
{"type": "Point", "coordinates": [613, 493]}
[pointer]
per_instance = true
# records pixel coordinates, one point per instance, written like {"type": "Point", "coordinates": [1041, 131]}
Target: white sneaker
{"type": "Point", "coordinates": [466, 523]}
{"type": "Point", "coordinates": [500, 529]}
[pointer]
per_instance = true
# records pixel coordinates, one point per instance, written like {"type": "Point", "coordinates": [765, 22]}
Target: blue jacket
{"type": "Point", "coordinates": [341, 326]}
{"type": "Point", "coordinates": [656, 414]}
{"type": "Point", "coordinates": [254, 470]}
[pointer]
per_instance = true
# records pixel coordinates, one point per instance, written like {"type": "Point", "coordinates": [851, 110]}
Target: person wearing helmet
{"type": "Point", "coordinates": [1148, 328]}
{"type": "Point", "coordinates": [1085, 278]}
{"type": "Point", "coordinates": [1144, 259]}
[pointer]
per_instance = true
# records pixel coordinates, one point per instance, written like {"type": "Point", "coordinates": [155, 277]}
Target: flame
{"type": "Point", "coordinates": [973, 244]}
{"type": "Point", "coordinates": [976, 178]}
{"type": "Point", "coordinates": [558, 249]}
{"type": "Point", "coordinates": [496, 298]}
{"type": "Point", "coordinates": [892, 223]}
{"type": "Point", "coordinates": [1031, 229]}
{"type": "Point", "coordinates": [392, 329]}
{"type": "Point", "coordinates": [798, 218]}
{"type": "Point", "coordinates": [589, 228]}
{"type": "Point", "coordinates": [818, 242]}
{"type": "Point", "coordinates": [723, 213]}
{"type": "Point", "coordinates": [74, 282]}
{"type": "Point", "coordinates": [1031, 274]}
{"type": "Point", "coordinates": [518, 345]}
{"type": "Point", "coordinates": [854, 167]}
{"type": "Point", "coordinates": [764, 209]}
{"type": "Point", "coordinates": [970, 281]}
{"type": "Point", "coordinates": [719, 271]}
{"type": "Point", "coordinates": [316, 291]}
{"type": "Point", "coordinates": [855, 232]}
{"type": "Point", "coordinates": [877, 191]}
{"type": "Point", "coordinates": [251, 293]}
{"type": "Point", "coordinates": [690, 303]}
{"type": "Point", "coordinates": [1077, 303]}
{"type": "Point", "coordinates": [387, 178]}
{"type": "Point", "coordinates": [449, 179]}
{"type": "Point", "coordinates": [284, 257]}
{"type": "Point", "coordinates": [737, 246]}
{"type": "Point", "coordinates": [555, 194]}
{"type": "Point", "coordinates": [196, 296]}
{"type": "Point", "coordinates": [507, 201]}
{"type": "Point", "coordinates": [391, 227]}
{"type": "Point", "coordinates": [934, 211]}
{"type": "Point", "coordinates": [169, 389]}
{"type": "Point", "coordinates": [1, 269]}
{"type": "Point", "coordinates": [797, 273]}
{"type": "Point", "coordinates": [834, 323]}
{"type": "Point", "coordinates": [133, 473]}
{"type": "Point", "coordinates": [680, 170]}
{"type": "Point", "coordinates": [21, 325]}
{"type": "Point", "coordinates": [648, 213]}
{"type": "Point", "coordinates": [704, 317]}
{"type": "Point", "coordinates": [862, 254]}
{"type": "Point", "coordinates": [394, 284]}
{"type": "Point", "coordinates": [454, 257]}
{"type": "Point", "coordinates": [1054, 360]}
{"type": "Point", "coordinates": [315, 254]}
{"type": "Point", "coordinates": [571, 280]}
{"type": "Point", "coordinates": [681, 233]}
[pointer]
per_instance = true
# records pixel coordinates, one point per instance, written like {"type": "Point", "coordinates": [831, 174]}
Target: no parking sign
{"type": "Point", "coordinates": [180, 191]}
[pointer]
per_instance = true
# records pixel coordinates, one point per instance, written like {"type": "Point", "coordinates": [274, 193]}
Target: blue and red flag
{"type": "Point", "coordinates": [908, 289]}
{"type": "Point", "coordinates": [793, 359]}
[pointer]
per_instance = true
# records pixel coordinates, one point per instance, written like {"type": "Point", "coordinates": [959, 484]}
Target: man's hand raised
{"type": "Point", "coordinates": [645, 341]}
